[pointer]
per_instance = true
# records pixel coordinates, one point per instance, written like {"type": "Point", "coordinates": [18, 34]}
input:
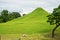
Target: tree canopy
{"type": "Point", "coordinates": [6, 16]}
{"type": "Point", "coordinates": [14, 15]}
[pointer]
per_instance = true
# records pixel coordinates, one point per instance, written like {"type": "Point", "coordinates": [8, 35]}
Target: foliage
{"type": "Point", "coordinates": [6, 16]}
{"type": "Point", "coordinates": [24, 14]}
{"type": "Point", "coordinates": [54, 18]}
{"type": "Point", "coordinates": [1, 19]}
{"type": "Point", "coordinates": [14, 15]}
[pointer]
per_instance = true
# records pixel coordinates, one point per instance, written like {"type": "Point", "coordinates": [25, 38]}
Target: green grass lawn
{"type": "Point", "coordinates": [35, 22]}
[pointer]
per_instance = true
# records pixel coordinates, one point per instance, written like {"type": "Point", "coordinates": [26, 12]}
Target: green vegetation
{"type": "Point", "coordinates": [54, 18]}
{"type": "Point", "coordinates": [6, 16]}
{"type": "Point", "coordinates": [24, 14]}
{"type": "Point", "coordinates": [35, 22]}
{"type": "Point", "coordinates": [34, 25]}
{"type": "Point", "coordinates": [14, 15]}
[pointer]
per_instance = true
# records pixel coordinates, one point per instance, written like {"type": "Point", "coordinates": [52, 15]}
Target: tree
{"type": "Point", "coordinates": [4, 15]}
{"type": "Point", "coordinates": [14, 15]}
{"type": "Point", "coordinates": [54, 19]}
{"type": "Point", "coordinates": [24, 14]}
{"type": "Point", "coordinates": [1, 20]}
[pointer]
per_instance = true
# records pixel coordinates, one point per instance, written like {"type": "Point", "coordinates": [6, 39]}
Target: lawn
{"type": "Point", "coordinates": [35, 23]}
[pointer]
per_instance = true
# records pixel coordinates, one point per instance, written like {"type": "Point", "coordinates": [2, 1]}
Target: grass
{"type": "Point", "coordinates": [33, 23]}
{"type": "Point", "coordinates": [21, 37]}
{"type": "Point", "coordinates": [23, 28]}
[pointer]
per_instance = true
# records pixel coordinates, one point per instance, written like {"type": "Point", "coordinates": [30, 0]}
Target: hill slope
{"type": "Point", "coordinates": [35, 22]}
{"type": "Point", "coordinates": [37, 15]}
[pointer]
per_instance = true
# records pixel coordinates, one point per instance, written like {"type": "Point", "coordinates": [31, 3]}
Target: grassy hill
{"type": "Point", "coordinates": [34, 22]}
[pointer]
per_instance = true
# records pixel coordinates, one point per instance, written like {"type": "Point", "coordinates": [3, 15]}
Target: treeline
{"type": "Point", "coordinates": [5, 16]}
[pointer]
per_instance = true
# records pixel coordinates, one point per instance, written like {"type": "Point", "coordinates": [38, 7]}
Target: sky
{"type": "Point", "coordinates": [27, 6]}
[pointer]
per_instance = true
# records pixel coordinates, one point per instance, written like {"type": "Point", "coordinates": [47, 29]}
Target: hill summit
{"type": "Point", "coordinates": [40, 11]}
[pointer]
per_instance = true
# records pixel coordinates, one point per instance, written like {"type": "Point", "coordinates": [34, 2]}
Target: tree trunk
{"type": "Point", "coordinates": [54, 30]}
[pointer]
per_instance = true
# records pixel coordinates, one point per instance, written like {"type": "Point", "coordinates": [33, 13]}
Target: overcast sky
{"type": "Point", "coordinates": [26, 6]}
